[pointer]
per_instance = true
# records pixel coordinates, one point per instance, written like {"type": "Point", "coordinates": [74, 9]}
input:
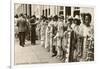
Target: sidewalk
{"type": "Point", "coordinates": [32, 54]}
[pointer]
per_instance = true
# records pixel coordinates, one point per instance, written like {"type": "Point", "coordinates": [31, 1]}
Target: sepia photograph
{"type": "Point", "coordinates": [53, 34]}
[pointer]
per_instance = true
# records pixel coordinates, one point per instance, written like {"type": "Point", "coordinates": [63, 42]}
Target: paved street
{"type": "Point", "coordinates": [32, 54]}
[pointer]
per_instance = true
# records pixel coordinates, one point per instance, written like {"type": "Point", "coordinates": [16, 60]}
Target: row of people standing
{"type": "Point", "coordinates": [63, 38]}
{"type": "Point", "coordinates": [68, 40]}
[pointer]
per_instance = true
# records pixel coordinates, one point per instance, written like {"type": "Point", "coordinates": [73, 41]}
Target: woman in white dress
{"type": "Point", "coordinates": [47, 35]}
{"type": "Point", "coordinates": [43, 30]}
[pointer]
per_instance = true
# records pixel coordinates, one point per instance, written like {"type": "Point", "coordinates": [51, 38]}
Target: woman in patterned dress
{"type": "Point", "coordinates": [43, 29]}
{"type": "Point", "coordinates": [66, 41]}
{"type": "Point", "coordinates": [74, 47]}
{"type": "Point", "coordinates": [59, 36]}
{"type": "Point", "coordinates": [51, 37]}
{"type": "Point", "coordinates": [55, 22]}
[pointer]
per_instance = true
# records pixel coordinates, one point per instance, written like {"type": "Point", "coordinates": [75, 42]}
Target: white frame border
{"type": "Point", "coordinates": [13, 66]}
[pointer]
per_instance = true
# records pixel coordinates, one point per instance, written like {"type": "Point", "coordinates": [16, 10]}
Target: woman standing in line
{"type": "Point", "coordinates": [43, 28]}
{"type": "Point", "coordinates": [59, 36]}
{"type": "Point", "coordinates": [88, 33]}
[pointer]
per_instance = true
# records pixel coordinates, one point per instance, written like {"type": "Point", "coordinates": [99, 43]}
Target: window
{"type": "Point", "coordinates": [46, 12]}
{"type": "Point", "coordinates": [49, 11]}
{"type": "Point", "coordinates": [61, 13]}
{"type": "Point", "coordinates": [77, 8]}
{"type": "Point", "coordinates": [77, 12]}
{"type": "Point", "coordinates": [67, 11]}
{"type": "Point", "coordinates": [43, 13]}
{"type": "Point", "coordinates": [29, 9]}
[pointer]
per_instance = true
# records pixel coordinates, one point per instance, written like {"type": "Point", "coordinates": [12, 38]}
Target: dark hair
{"type": "Point", "coordinates": [16, 16]}
{"type": "Point", "coordinates": [55, 17]}
{"type": "Point", "coordinates": [89, 15]}
{"type": "Point", "coordinates": [21, 15]}
{"type": "Point", "coordinates": [78, 21]}
{"type": "Point", "coordinates": [62, 17]}
{"type": "Point", "coordinates": [33, 16]}
{"type": "Point", "coordinates": [37, 18]}
{"type": "Point", "coordinates": [28, 16]}
{"type": "Point", "coordinates": [41, 17]}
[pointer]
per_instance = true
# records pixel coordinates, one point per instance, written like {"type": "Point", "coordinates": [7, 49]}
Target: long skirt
{"type": "Point", "coordinates": [47, 39]}
{"type": "Point", "coordinates": [59, 46]}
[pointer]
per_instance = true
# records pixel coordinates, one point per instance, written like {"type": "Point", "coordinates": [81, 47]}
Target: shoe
{"type": "Point", "coordinates": [61, 58]}
{"type": "Point", "coordinates": [32, 43]}
{"type": "Point", "coordinates": [54, 55]}
{"type": "Point", "coordinates": [58, 57]}
{"type": "Point", "coordinates": [22, 45]}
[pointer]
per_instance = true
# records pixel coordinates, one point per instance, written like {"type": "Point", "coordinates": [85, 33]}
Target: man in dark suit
{"type": "Point", "coordinates": [22, 28]}
{"type": "Point", "coordinates": [33, 31]}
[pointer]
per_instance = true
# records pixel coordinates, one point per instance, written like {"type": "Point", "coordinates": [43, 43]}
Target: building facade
{"type": "Point", "coordinates": [51, 10]}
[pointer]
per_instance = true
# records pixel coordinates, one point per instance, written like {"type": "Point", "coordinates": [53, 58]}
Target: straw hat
{"type": "Point", "coordinates": [61, 17]}
{"type": "Point", "coordinates": [77, 17]}
{"type": "Point", "coordinates": [70, 18]}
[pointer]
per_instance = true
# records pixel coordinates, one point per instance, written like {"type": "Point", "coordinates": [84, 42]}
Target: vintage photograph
{"type": "Point", "coordinates": [53, 34]}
